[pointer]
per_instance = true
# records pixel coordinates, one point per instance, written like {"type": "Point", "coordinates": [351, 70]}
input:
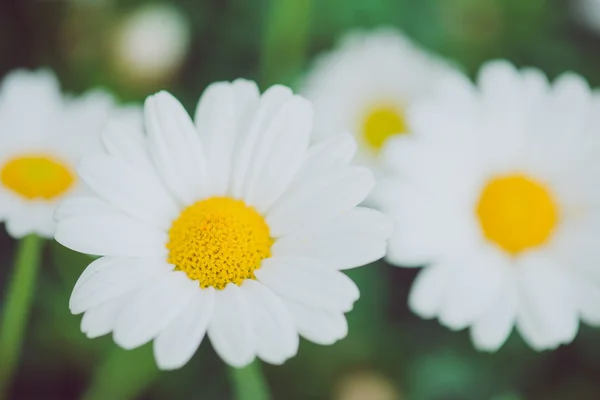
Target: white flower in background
{"type": "Point", "coordinates": [366, 85]}
{"type": "Point", "coordinates": [42, 134]}
{"type": "Point", "coordinates": [234, 227]}
{"type": "Point", "coordinates": [588, 14]}
{"type": "Point", "coordinates": [151, 44]}
{"type": "Point", "coordinates": [497, 194]}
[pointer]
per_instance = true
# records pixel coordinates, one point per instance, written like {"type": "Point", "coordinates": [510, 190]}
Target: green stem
{"type": "Point", "coordinates": [249, 383]}
{"type": "Point", "coordinates": [285, 40]}
{"type": "Point", "coordinates": [17, 307]}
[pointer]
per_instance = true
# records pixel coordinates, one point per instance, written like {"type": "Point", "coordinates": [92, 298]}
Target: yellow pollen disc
{"type": "Point", "coordinates": [37, 176]}
{"type": "Point", "coordinates": [517, 213]}
{"type": "Point", "coordinates": [381, 123]}
{"type": "Point", "coordinates": [218, 241]}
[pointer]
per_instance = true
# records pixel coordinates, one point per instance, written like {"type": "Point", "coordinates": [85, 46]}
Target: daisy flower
{"type": "Point", "coordinates": [496, 194]}
{"type": "Point", "coordinates": [366, 85]}
{"type": "Point", "coordinates": [230, 226]}
{"type": "Point", "coordinates": [42, 134]}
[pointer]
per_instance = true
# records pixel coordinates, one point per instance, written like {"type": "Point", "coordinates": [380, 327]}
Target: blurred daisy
{"type": "Point", "coordinates": [366, 86]}
{"type": "Point", "coordinates": [233, 227]}
{"type": "Point", "coordinates": [496, 192]}
{"type": "Point", "coordinates": [151, 44]}
{"type": "Point", "coordinates": [588, 14]}
{"type": "Point", "coordinates": [42, 134]}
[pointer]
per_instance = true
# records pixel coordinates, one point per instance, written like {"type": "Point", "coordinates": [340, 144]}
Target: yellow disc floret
{"type": "Point", "coordinates": [517, 213]}
{"type": "Point", "coordinates": [36, 177]}
{"type": "Point", "coordinates": [218, 241]}
{"type": "Point", "coordinates": [381, 123]}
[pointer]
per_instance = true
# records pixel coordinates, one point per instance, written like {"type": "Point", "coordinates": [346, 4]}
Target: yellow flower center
{"type": "Point", "coordinates": [37, 176]}
{"type": "Point", "coordinates": [218, 241]}
{"type": "Point", "coordinates": [381, 123]}
{"type": "Point", "coordinates": [517, 213]}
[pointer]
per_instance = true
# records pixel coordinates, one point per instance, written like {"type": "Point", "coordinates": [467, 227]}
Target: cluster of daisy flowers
{"type": "Point", "coordinates": [236, 225]}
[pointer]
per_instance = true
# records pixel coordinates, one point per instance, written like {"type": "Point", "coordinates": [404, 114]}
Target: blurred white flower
{"type": "Point", "coordinates": [588, 14]}
{"type": "Point", "coordinates": [42, 134]}
{"type": "Point", "coordinates": [366, 85]}
{"type": "Point", "coordinates": [151, 44]}
{"type": "Point", "coordinates": [497, 194]}
{"type": "Point", "coordinates": [232, 227]}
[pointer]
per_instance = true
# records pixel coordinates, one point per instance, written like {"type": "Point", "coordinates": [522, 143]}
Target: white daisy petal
{"type": "Point", "coordinates": [548, 300]}
{"type": "Point", "coordinates": [134, 191]}
{"type": "Point", "coordinates": [108, 278]}
{"type": "Point", "coordinates": [427, 293]}
{"type": "Point", "coordinates": [588, 293]}
{"type": "Point", "coordinates": [323, 327]}
{"type": "Point", "coordinates": [491, 330]}
{"type": "Point", "coordinates": [176, 148]}
{"type": "Point", "coordinates": [331, 153]}
{"type": "Point", "coordinates": [319, 199]}
{"type": "Point", "coordinates": [230, 330]}
{"type": "Point", "coordinates": [355, 238]}
{"type": "Point", "coordinates": [100, 320]}
{"type": "Point", "coordinates": [124, 139]}
{"type": "Point", "coordinates": [269, 105]}
{"type": "Point", "coordinates": [276, 162]}
{"type": "Point", "coordinates": [274, 328]}
{"type": "Point", "coordinates": [178, 342]}
{"type": "Point", "coordinates": [472, 290]}
{"type": "Point", "coordinates": [153, 308]}
{"type": "Point", "coordinates": [78, 206]}
{"type": "Point", "coordinates": [215, 122]}
{"type": "Point", "coordinates": [114, 235]}
{"type": "Point", "coordinates": [308, 282]}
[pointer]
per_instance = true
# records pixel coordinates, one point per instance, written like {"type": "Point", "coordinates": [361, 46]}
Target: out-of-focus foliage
{"type": "Point", "coordinates": [266, 41]}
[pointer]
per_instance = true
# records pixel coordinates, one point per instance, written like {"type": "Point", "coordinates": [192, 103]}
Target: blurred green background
{"type": "Point", "coordinates": [389, 352]}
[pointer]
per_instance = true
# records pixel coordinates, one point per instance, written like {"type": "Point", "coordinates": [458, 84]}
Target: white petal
{"type": "Point", "coordinates": [112, 235]}
{"type": "Point", "coordinates": [153, 308]}
{"type": "Point", "coordinates": [215, 121]}
{"type": "Point", "coordinates": [355, 238]}
{"type": "Point", "coordinates": [320, 199]}
{"type": "Point", "coordinates": [492, 329]}
{"type": "Point", "coordinates": [317, 325]}
{"type": "Point", "coordinates": [274, 328]}
{"type": "Point", "coordinates": [135, 191]}
{"type": "Point", "coordinates": [337, 151]}
{"type": "Point", "coordinates": [100, 320]}
{"type": "Point", "coordinates": [476, 283]}
{"type": "Point", "coordinates": [588, 293]}
{"type": "Point", "coordinates": [547, 301]}
{"type": "Point", "coordinates": [309, 282]}
{"type": "Point", "coordinates": [280, 155]}
{"type": "Point", "coordinates": [270, 103]}
{"type": "Point", "coordinates": [176, 148]}
{"type": "Point", "coordinates": [428, 290]}
{"type": "Point", "coordinates": [126, 140]}
{"type": "Point", "coordinates": [110, 277]}
{"type": "Point", "coordinates": [178, 342]}
{"type": "Point", "coordinates": [230, 330]}
{"type": "Point", "coordinates": [78, 206]}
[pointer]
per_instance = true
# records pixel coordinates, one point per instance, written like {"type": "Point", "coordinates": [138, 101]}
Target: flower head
{"type": "Point", "coordinates": [233, 226]}
{"type": "Point", "coordinates": [42, 134]}
{"type": "Point", "coordinates": [495, 194]}
{"type": "Point", "coordinates": [366, 86]}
